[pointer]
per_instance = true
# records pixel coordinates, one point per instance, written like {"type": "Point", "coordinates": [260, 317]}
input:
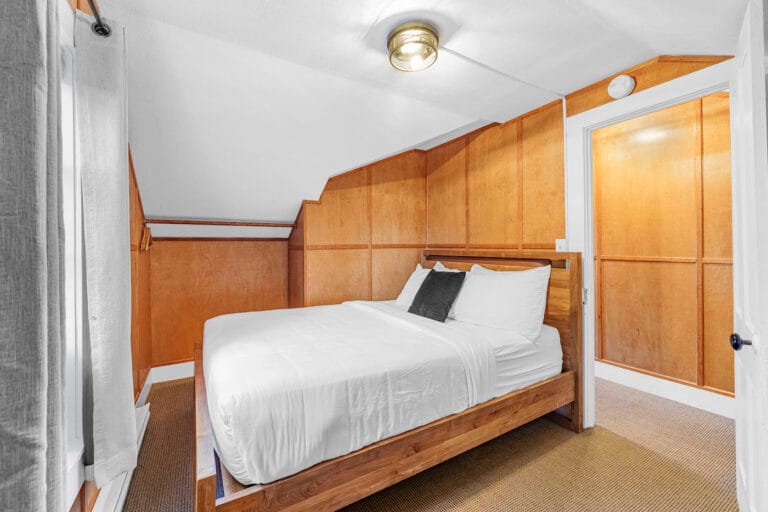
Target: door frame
{"type": "Point", "coordinates": [579, 223]}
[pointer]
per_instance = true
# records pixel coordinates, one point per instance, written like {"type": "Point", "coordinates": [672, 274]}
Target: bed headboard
{"type": "Point", "coordinates": [563, 298]}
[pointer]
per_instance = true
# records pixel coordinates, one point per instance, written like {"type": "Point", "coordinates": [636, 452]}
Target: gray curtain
{"type": "Point", "coordinates": [102, 145]}
{"type": "Point", "coordinates": [31, 258]}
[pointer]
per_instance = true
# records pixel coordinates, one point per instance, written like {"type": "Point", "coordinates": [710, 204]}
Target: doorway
{"type": "Point", "coordinates": [662, 244]}
{"type": "Point", "coordinates": [580, 216]}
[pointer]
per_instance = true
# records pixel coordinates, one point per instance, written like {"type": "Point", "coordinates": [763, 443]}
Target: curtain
{"type": "Point", "coordinates": [102, 145]}
{"type": "Point", "coordinates": [31, 259]}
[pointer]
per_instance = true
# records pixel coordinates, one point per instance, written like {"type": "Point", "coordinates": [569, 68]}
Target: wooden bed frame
{"type": "Point", "coordinates": [338, 482]}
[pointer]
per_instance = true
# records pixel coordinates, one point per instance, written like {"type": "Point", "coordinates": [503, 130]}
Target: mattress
{"type": "Point", "coordinates": [519, 361]}
{"type": "Point", "coordinates": [289, 388]}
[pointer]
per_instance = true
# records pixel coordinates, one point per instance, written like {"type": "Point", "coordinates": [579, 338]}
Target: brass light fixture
{"type": "Point", "coordinates": [413, 46]}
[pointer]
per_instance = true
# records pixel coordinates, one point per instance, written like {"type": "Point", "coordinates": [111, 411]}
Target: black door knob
{"type": "Point", "coordinates": [737, 342]}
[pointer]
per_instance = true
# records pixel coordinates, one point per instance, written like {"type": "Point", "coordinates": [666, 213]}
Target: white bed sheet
{"type": "Point", "coordinates": [289, 388]}
{"type": "Point", "coordinates": [519, 361]}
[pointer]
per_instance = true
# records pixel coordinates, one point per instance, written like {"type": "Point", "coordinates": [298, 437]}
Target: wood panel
{"type": "Point", "coordinates": [141, 342]}
{"type": "Point", "coordinates": [336, 275]}
{"type": "Point", "coordinates": [645, 175]}
{"type": "Point", "coordinates": [662, 196]}
{"type": "Point", "coordinates": [652, 319]}
{"type": "Point", "coordinates": [390, 269]}
{"type": "Point", "coordinates": [446, 194]}
{"type": "Point", "coordinates": [86, 497]}
{"type": "Point", "coordinates": [296, 238]}
{"type": "Point", "coordinates": [718, 326]}
{"type": "Point", "coordinates": [145, 318]}
{"type": "Point", "coordinates": [716, 176]}
{"type": "Point", "coordinates": [493, 177]}
{"type": "Point", "coordinates": [543, 177]}
{"type": "Point", "coordinates": [341, 216]}
{"type": "Point", "coordinates": [398, 200]}
{"type": "Point", "coordinates": [295, 278]}
{"type": "Point", "coordinates": [193, 281]}
{"type": "Point", "coordinates": [647, 74]}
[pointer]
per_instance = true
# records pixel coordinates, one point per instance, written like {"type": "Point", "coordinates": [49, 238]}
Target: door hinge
{"type": "Point", "coordinates": [584, 296]}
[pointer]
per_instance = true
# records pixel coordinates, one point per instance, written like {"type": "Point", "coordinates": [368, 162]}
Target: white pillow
{"type": "Point", "coordinates": [513, 300]}
{"type": "Point", "coordinates": [405, 299]}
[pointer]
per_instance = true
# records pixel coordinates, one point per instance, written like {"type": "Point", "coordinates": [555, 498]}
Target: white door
{"type": "Point", "coordinates": [749, 147]}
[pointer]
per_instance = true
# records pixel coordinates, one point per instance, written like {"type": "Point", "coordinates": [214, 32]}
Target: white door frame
{"type": "Point", "coordinates": [578, 184]}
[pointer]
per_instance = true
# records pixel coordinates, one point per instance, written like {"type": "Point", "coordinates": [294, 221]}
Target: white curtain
{"type": "Point", "coordinates": [102, 146]}
{"type": "Point", "coordinates": [31, 258]}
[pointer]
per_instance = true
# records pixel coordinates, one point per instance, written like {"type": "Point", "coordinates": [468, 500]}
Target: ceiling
{"type": "Point", "coordinates": [240, 109]}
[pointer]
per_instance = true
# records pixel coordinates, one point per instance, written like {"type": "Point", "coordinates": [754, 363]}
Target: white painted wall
{"type": "Point", "coordinates": [242, 110]}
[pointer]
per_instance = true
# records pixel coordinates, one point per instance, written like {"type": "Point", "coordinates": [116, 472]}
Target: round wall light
{"type": "Point", "coordinates": [413, 46]}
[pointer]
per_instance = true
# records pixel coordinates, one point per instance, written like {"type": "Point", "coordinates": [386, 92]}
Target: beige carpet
{"type": "Point", "coordinates": [163, 480]}
{"type": "Point", "coordinates": [646, 454]}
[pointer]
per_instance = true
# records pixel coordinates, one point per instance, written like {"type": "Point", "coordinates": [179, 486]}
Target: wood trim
{"type": "Point", "coordinates": [205, 462]}
{"type": "Point", "coordinates": [214, 239]}
{"type": "Point", "coordinates": [647, 74]}
{"type": "Point", "coordinates": [133, 174]}
{"type": "Point", "coordinates": [201, 222]}
{"type": "Point", "coordinates": [335, 483]}
{"type": "Point", "coordinates": [649, 259]}
{"type": "Point", "coordinates": [699, 205]}
{"type": "Point", "coordinates": [467, 160]}
{"type": "Point", "coordinates": [520, 189]}
{"type": "Point", "coordinates": [86, 497]}
{"type": "Point", "coordinates": [325, 247]}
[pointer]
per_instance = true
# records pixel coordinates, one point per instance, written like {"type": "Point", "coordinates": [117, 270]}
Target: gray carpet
{"type": "Point", "coordinates": [646, 454]}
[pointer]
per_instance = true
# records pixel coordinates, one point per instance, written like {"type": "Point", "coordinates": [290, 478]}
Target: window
{"type": "Point", "coordinates": [73, 381]}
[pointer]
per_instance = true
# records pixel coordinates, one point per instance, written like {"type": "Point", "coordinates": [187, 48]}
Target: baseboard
{"type": "Point", "coordinates": [688, 395]}
{"type": "Point", "coordinates": [142, 399]}
{"type": "Point", "coordinates": [171, 372]}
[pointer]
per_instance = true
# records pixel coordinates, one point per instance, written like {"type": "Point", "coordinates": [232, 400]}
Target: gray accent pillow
{"type": "Point", "coordinates": [437, 294]}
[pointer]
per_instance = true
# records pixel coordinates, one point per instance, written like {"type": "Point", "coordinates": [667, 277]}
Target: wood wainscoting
{"type": "Point", "coordinates": [663, 269]}
{"type": "Point", "coordinates": [141, 328]}
{"type": "Point", "coordinates": [195, 280]}
{"type": "Point", "coordinates": [499, 187]}
{"type": "Point", "coordinates": [361, 240]}
{"type": "Point", "coordinates": [502, 186]}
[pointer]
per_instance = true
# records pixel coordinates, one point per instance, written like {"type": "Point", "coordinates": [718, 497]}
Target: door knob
{"type": "Point", "coordinates": [737, 342]}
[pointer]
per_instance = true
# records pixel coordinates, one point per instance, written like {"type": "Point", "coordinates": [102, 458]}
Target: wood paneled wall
{"type": "Point", "coordinates": [141, 331]}
{"type": "Point", "coordinates": [647, 74]}
{"type": "Point", "coordinates": [499, 187]}
{"type": "Point", "coordinates": [502, 186]}
{"type": "Point", "coordinates": [663, 243]}
{"type": "Point", "coordinates": [362, 239]}
{"type": "Point", "coordinates": [195, 280]}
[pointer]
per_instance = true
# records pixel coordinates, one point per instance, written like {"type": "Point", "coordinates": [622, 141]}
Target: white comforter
{"type": "Point", "coordinates": [290, 388]}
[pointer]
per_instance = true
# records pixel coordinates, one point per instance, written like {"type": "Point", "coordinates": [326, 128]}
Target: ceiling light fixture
{"type": "Point", "coordinates": [413, 46]}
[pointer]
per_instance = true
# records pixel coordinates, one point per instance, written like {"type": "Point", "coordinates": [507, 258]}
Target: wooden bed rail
{"type": "Point", "coordinates": [338, 482]}
{"type": "Point", "coordinates": [205, 461]}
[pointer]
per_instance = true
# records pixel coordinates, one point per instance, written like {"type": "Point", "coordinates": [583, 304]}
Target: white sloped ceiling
{"type": "Point", "coordinates": [240, 109]}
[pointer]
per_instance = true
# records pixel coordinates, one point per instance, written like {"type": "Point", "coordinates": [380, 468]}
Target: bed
{"type": "Point", "coordinates": [409, 393]}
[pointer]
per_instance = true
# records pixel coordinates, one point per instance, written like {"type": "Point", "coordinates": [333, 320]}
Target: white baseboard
{"type": "Point", "coordinates": [171, 372]}
{"type": "Point", "coordinates": [688, 395]}
{"type": "Point", "coordinates": [145, 390]}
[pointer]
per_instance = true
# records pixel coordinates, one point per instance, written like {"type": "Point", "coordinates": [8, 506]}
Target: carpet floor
{"type": "Point", "coordinates": [646, 454]}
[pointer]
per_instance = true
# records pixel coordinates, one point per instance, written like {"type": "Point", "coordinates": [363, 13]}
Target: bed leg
{"type": "Point", "coordinates": [205, 494]}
